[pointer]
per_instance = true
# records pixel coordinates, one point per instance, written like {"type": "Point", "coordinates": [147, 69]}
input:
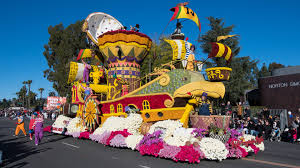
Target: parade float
{"type": "Point", "coordinates": [163, 117]}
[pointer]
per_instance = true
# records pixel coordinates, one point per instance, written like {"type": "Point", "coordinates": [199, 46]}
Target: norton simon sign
{"type": "Point", "coordinates": [284, 85]}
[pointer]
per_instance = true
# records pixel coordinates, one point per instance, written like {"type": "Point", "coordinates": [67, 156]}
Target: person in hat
{"type": "Point", "coordinates": [191, 59]}
{"type": "Point", "coordinates": [86, 70]}
{"type": "Point", "coordinates": [38, 128]}
{"type": "Point", "coordinates": [87, 90]}
{"type": "Point", "coordinates": [20, 124]}
{"type": "Point", "coordinates": [205, 107]}
{"type": "Point", "coordinates": [31, 122]}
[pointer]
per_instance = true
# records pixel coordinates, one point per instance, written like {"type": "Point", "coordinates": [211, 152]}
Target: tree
{"type": "Point", "coordinates": [217, 28]}
{"type": "Point", "coordinates": [273, 66]}
{"type": "Point", "coordinates": [41, 91]}
{"type": "Point", "coordinates": [29, 84]}
{"type": "Point", "coordinates": [52, 94]}
{"type": "Point", "coordinates": [263, 72]}
{"type": "Point", "coordinates": [159, 54]}
{"type": "Point", "coordinates": [63, 46]}
{"type": "Point", "coordinates": [22, 95]}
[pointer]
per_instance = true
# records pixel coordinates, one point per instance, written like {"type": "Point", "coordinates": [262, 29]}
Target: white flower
{"type": "Point", "coordinates": [133, 140]}
{"type": "Point", "coordinates": [261, 146]}
{"type": "Point", "coordinates": [167, 126]}
{"type": "Point", "coordinates": [247, 137]}
{"type": "Point", "coordinates": [76, 125]}
{"type": "Point", "coordinates": [179, 137]}
{"type": "Point", "coordinates": [132, 123]}
{"type": "Point", "coordinates": [61, 122]}
{"type": "Point", "coordinates": [213, 149]}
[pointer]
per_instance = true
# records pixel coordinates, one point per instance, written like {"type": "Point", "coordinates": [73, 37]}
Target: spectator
{"type": "Point", "coordinates": [252, 128]}
{"type": "Point", "coordinates": [247, 112]}
{"type": "Point", "coordinates": [228, 108]}
{"type": "Point", "coordinates": [239, 110]}
{"type": "Point", "coordinates": [296, 125]}
{"type": "Point", "coordinates": [265, 113]}
{"type": "Point", "coordinates": [267, 131]}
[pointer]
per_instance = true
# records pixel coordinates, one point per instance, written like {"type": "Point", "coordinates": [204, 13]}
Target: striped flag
{"type": "Point", "coordinates": [220, 50]}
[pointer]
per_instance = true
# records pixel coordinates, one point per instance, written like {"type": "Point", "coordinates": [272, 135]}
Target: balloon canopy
{"type": "Point", "coordinates": [99, 23]}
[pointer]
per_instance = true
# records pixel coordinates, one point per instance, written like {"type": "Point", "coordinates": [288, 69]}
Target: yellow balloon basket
{"type": "Point", "coordinates": [218, 74]}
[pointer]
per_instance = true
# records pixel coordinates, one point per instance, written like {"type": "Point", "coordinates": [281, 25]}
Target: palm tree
{"type": "Point", "coordinates": [24, 96]}
{"type": "Point", "coordinates": [51, 94]}
{"type": "Point", "coordinates": [41, 91]}
{"type": "Point", "coordinates": [29, 84]}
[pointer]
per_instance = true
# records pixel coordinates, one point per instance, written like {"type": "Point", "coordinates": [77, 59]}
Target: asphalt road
{"type": "Point", "coordinates": [57, 151]}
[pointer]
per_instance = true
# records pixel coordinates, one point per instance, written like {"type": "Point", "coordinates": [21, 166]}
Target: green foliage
{"type": "Point", "coordinates": [63, 46]}
{"type": "Point", "coordinates": [217, 28]}
{"type": "Point", "coordinates": [159, 54]}
{"type": "Point", "coordinates": [52, 94]}
{"type": "Point", "coordinates": [267, 71]}
{"type": "Point", "coordinates": [263, 72]}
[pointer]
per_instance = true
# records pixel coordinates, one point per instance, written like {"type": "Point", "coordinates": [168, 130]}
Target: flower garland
{"type": "Point", "coordinates": [213, 149]}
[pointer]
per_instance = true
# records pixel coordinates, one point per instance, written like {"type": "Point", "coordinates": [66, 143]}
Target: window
{"type": "Point", "coordinates": [146, 105]}
{"type": "Point", "coordinates": [112, 108]}
{"type": "Point", "coordinates": [119, 108]}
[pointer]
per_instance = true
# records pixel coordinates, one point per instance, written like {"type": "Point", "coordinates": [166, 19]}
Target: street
{"type": "Point", "coordinates": [57, 151]}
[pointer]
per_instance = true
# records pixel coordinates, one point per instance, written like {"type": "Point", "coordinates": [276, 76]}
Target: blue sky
{"type": "Point", "coordinates": [268, 29]}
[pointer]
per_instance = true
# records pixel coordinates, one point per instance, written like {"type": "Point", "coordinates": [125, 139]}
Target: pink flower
{"type": "Point", "coordinates": [84, 135]}
{"type": "Point", "coordinates": [152, 149]}
{"type": "Point", "coordinates": [188, 153]}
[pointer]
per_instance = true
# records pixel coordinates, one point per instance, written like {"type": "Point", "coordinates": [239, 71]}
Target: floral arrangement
{"type": "Point", "coordinates": [198, 132]}
{"type": "Point", "coordinates": [61, 122]}
{"type": "Point", "coordinates": [123, 133]}
{"type": "Point", "coordinates": [133, 140]}
{"type": "Point", "coordinates": [48, 129]}
{"type": "Point", "coordinates": [188, 153]}
{"type": "Point", "coordinates": [168, 139]}
{"type": "Point", "coordinates": [169, 127]}
{"type": "Point", "coordinates": [169, 151]}
{"type": "Point", "coordinates": [234, 149]}
{"type": "Point", "coordinates": [84, 135]}
{"type": "Point", "coordinates": [213, 149]}
{"type": "Point", "coordinates": [100, 138]}
{"type": "Point", "coordinates": [251, 143]}
{"type": "Point", "coordinates": [118, 141]}
{"type": "Point", "coordinates": [75, 127]}
{"type": "Point", "coordinates": [180, 137]}
{"type": "Point", "coordinates": [132, 123]}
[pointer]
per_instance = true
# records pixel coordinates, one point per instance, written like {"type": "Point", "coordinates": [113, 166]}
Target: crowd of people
{"type": "Point", "coordinates": [263, 125]}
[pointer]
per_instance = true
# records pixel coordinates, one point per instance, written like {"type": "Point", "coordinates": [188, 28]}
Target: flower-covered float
{"type": "Point", "coordinates": [168, 117]}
